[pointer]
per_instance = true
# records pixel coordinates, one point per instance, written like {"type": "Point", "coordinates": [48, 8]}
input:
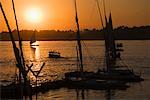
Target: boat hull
{"type": "Point", "coordinates": [96, 84]}
{"type": "Point", "coordinates": [122, 75]}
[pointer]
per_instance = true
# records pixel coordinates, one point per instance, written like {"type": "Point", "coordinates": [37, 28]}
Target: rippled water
{"type": "Point", "coordinates": [136, 55]}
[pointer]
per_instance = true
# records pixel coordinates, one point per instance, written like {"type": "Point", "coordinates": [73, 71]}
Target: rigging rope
{"type": "Point", "coordinates": [99, 10]}
{"type": "Point", "coordinates": [88, 52]}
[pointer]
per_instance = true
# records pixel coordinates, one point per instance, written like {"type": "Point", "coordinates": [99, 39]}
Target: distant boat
{"type": "Point", "coordinates": [33, 40]}
{"type": "Point", "coordinates": [54, 54]}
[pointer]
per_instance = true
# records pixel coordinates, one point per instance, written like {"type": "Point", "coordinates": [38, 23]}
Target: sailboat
{"type": "Point", "coordinates": [79, 74]}
{"type": "Point", "coordinates": [112, 55]}
{"type": "Point", "coordinates": [54, 54]}
{"type": "Point", "coordinates": [86, 80]}
{"type": "Point", "coordinates": [33, 40]}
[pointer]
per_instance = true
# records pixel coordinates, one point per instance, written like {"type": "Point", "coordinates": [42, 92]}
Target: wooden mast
{"type": "Point", "coordinates": [107, 55]}
{"type": "Point", "coordinates": [18, 57]}
{"type": "Point", "coordinates": [109, 41]}
{"type": "Point", "coordinates": [78, 38]}
{"type": "Point", "coordinates": [110, 49]}
{"type": "Point", "coordinates": [15, 49]}
{"type": "Point", "coordinates": [19, 37]}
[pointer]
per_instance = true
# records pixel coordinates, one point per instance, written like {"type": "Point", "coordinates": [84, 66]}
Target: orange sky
{"type": "Point", "coordinates": [59, 14]}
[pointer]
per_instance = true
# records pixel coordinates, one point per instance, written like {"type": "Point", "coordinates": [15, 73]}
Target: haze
{"type": "Point", "coordinates": [59, 14]}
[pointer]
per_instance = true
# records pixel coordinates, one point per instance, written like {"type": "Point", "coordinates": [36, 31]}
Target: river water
{"type": "Point", "coordinates": [136, 56]}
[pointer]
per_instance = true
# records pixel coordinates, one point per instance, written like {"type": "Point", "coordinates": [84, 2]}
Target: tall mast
{"type": "Point", "coordinates": [110, 51]}
{"type": "Point", "coordinates": [78, 38]}
{"type": "Point", "coordinates": [106, 34]}
{"type": "Point", "coordinates": [20, 42]}
{"type": "Point", "coordinates": [15, 49]}
{"type": "Point", "coordinates": [10, 33]}
{"type": "Point", "coordinates": [113, 46]}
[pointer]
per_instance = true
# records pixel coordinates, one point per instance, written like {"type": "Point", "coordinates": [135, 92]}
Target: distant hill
{"type": "Point", "coordinates": [120, 33]}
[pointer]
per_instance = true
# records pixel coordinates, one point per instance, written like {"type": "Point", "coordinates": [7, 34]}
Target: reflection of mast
{"type": "Point", "coordinates": [109, 94]}
{"type": "Point", "coordinates": [78, 39]}
{"type": "Point", "coordinates": [78, 65]}
{"type": "Point", "coordinates": [82, 94]}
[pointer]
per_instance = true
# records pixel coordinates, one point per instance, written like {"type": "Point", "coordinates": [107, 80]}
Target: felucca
{"type": "Point", "coordinates": [113, 50]}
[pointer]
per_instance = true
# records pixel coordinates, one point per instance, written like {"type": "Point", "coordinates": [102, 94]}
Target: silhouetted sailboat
{"type": "Point", "coordinates": [54, 54]}
{"type": "Point", "coordinates": [80, 73]}
{"type": "Point", "coordinates": [112, 54]}
{"type": "Point", "coordinates": [33, 40]}
{"type": "Point", "coordinates": [86, 80]}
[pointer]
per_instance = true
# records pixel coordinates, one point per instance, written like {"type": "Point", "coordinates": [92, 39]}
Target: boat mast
{"type": "Point", "coordinates": [112, 39]}
{"type": "Point", "coordinates": [20, 46]}
{"type": "Point", "coordinates": [15, 49]}
{"type": "Point", "coordinates": [105, 35]}
{"type": "Point", "coordinates": [108, 37]}
{"type": "Point", "coordinates": [20, 41]}
{"type": "Point", "coordinates": [110, 51]}
{"type": "Point", "coordinates": [78, 38]}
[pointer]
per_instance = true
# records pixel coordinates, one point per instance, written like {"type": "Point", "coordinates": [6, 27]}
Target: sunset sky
{"type": "Point", "coordinates": [59, 14]}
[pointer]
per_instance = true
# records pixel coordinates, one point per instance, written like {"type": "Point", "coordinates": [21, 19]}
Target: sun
{"type": "Point", "coordinates": [33, 15]}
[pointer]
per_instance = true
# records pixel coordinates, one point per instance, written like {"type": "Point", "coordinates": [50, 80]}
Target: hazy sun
{"type": "Point", "coordinates": [33, 15]}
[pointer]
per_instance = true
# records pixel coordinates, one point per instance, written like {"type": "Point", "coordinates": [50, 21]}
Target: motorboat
{"type": "Point", "coordinates": [53, 54]}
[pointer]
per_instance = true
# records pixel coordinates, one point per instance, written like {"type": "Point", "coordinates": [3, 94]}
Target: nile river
{"type": "Point", "coordinates": [136, 56]}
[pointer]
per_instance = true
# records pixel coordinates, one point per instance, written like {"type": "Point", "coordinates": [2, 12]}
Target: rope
{"type": "Point", "coordinates": [99, 10]}
{"type": "Point", "coordinates": [88, 52]}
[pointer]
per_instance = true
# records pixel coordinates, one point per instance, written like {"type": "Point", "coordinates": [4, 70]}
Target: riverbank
{"type": "Point", "coordinates": [120, 33]}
